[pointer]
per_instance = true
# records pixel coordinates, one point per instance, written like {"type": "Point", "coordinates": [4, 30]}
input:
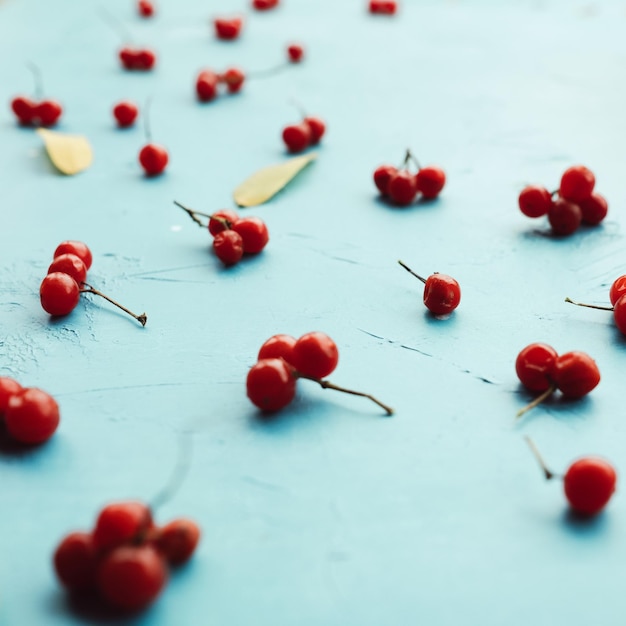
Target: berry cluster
{"type": "Point", "coordinates": [126, 556]}
{"type": "Point", "coordinates": [308, 132]}
{"type": "Point", "coordinates": [30, 113]}
{"type": "Point", "coordinates": [30, 415]}
{"type": "Point", "coordinates": [145, 8]}
{"type": "Point", "coordinates": [541, 369]}
{"type": "Point", "coordinates": [137, 59]}
{"type": "Point", "coordinates": [60, 290]}
{"type": "Point", "coordinates": [575, 202]}
{"type": "Point", "coordinates": [402, 186]}
{"type": "Point", "coordinates": [442, 293]}
{"type": "Point", "coordinates": [264, 5]}
{"type": "Point", "coordinates": [227, 28]}
{"type": "Point", "coordinates": [208, 81]}
{"type": "Point", "coordinates": [233, 236]}
{"type": "Point", "coordinates": [383, 7]}
{"type": "Point", "coordinates": [282, 360]}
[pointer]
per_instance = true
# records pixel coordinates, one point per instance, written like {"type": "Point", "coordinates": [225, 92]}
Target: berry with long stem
{"type": "Point", "coordinates": [442, 293]}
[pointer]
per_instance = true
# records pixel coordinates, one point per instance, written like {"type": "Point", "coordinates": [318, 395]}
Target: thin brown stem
{"type": "Point", "coordinates": [410, 271]}
{"type": "Point", "coordinates": [537, 401]}
{"type": "Point", "coordinates": [142, 319]}
{"type": "Point", "coordinates": [193, 215]}
{"type": "Point", "coordinates": [590, 306]}
{"type": "Point", "coordinates": [415, 161]}
{"type": "Point", "coordinates": [533, 448]}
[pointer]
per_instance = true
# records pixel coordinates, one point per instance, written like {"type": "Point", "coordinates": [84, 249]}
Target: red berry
{"type": "Point", "coordinates": [8, 388]}
{"type": "Point", "coordinates": [402, 188]}
{"type": "Point", "coordinates": [69, 264]}
{"type": "Point", "coordinates": [145, 8]}
{"type": "Point", "coordinates": [125, 113]}
{"type": "Point", "coordinates": [317, 128]}
{"type": "Point", "coordinates": [383, 7]}
{"type": "Point", "coordinates": [153, 159]}
{"type": "Point", "coordinates": [31, 416]}
{"type": "Point", "coordinates": [618, 289]}
{"type": "Point", "coordinates": [534, 366]}
{"type": "Point", "coordinates": [430, 181]}
{"type": "Point", "coordinates": [24, 109]}
{"type": "Point", "coordinates": [177, 540]}
{"type": "Point", "coordinates": [145, 60]}
{"type": "Point", "coordinates": [75, 247]}
{"type": "Point", "coordinates": [228, 247]}
{"type": "Point", "coordinates": [575, 374]}
{"type": "Point", "coordinates": [442, 294]}
{"type": "Point", "coordinates": [271, 384]}
{"type": "Point", "coordinates": [297, 137]}
{"type": "Point", "coordinates": [295, 52]}
{"type": "Point", "coordinates": [234, 79]}
{"type": "Point", "coordinates": [227, 28]}
{"type": "Point", "coordinates": [564, 217]}
{"type": "Point", "coordinates": [315, 354]}
{"type": "Point", "coordinates": [131, 577]}
{"type": "Point", "coordinates": [206, 86]}
{"type": "Point", "coordinates": [577, 183]}
{"type": "Point", "coordinates": [254, 233]}
{"type": "Point", "coordinates": [594, 209]}
{"type": "Point", "coordinates": [534, 201]}
{"type": "Point", "coordinates": [59, 294]}
{"type": "Point", "coordinates": [264, 5]}
{"type": "Point", "coordinates": [217, 226]}
{"type": "Point", "coordinates": [127, 58]}
{"type": "Point", "coordinates": [75, 562]}
{"type": "Point", "coordinates": [47, 112]}
{"type": "Point", "coordinates": [619, 314]}
{"type": "Point", "coordinates": [278, 347]}
{"type": "Point", "coordinates": [382, 176]}
{"type": "Point", "coordinates": [119, 523]}
{"type": "Point", "coordinates": [589, 484]}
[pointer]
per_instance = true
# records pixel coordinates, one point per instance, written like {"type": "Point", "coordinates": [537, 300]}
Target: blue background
{"type": "Point", "coordinates": [330, 513]}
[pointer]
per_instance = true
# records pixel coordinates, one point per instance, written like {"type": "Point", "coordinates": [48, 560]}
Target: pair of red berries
{"type": "Point", "coordinates": [308, 132]}
{"type": "Point", "coordinates": [442, 293]}
{"type": "Point", "coordinates": [145, 8]}
{"type": "Point", "coordinates": [227, 28]}
{"type": "Point", "coordinates": [208, 82]}
{"type": "Point", "coordinates": [541, 369]}
{"type": "Point", "coordinates": [282, 360]}
{"type": "Point", "coordinates": [137, 59]}
{"type": "Point", "coordinates": [31, 113]}
{"type": "Point", "coordinates": [402, 186]}
{"type": "Point", "coordinates": [30, 415]}
{"type": "Point", "coordinates": [60, 290]}
{"type": "Point", "coordinates": [126, 556]}
{"type": "Point", "coordinates": [383, 7]}
{"type": "Point", "coordinates": [264, 5]}
{"type": "Point", "coordinates": [575, 204]}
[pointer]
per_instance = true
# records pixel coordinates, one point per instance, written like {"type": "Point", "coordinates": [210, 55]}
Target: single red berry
{"type": "Point", "coordinates": [618, 289]}
{"type": "Point", "coordinates": [217, 226]}
{"type": "Point", "coordinates": [48, 112]}
{"type": "Point", "coordinates": [564, 217]}
{"type": "Point", "coordinates": [264, 5]}
{"type": "Point", "coordinates": [317, 128]}
{"type": "Point", "coordinates": [75, 561]}
{"type": "Point", "coordinates": [128, 58]}
{"type": "Point", "coordinates": [442, 294]}
{"type": "Point", "coordinates": [534, 201]}
{"type": "Point", "coordinates": [153, 159]}
{"type": "Point", "coordinates": [125, 113]}
{"type": "Point", "coordinates": [430, 181]}
{"type": "Point", "coordinates": [315, 354]}
{"type": "Point", "coordinates": [534, 366]}
{"type": "Point", "coordinates": [297, 137]}
{"type": "Point", "coordinates": [234, 79]}
{"type": "Point", "coordinates": [145, 60]}
{"type": "Point", "coordinates": [619, 314]}
{"type": "Point", "coordinates": [402, 188]}
{"type": "Point", "coordinates": [119, 523]}
{"type": "Point", "coordinates": [295, 53]}
{"type": "Point", "coordinates": [577, 184]}
{"type": "Point", "coordinates": [75, 247]}
{"type": "Point", "coordinates": [254, 233]}
{"type": "Point", "coordinates": [24, 110]}
{"type": "Point", "coordinates": [59, 294]}
{"type": "Point", "coordinates": [575, 374]}
{"type": "Point", "coordinates": [8, 388]}
{"type": "Point", "coordinates": [278, 347]}
{"type": "Point", "coordinates": [31, 416]}
{"type": "Point", "coordinates": [177, 540]}
{"type": "Point", "coordinates": [383, 7]}
{"type": "Point", "coordinates": [382, 176]}
{"type": "Point", "coordinates": [228, 247]}
{"type": "Point", "coordinates": [145, 8]}
{"type": "Point", "coordinates": [589, 484]}
{"type": "Point", "coordinates": [227, 28]}
{"type": "Point", "coordinates": [271, 384]}
{"type": "Point", "coordinates": [131, 577]}
{"type": "Point", "coordinates": [594, 209]}
{"type": "Point", "coordinates": [206, 85]}
{"type": "Point", "coordinates": [69, 264]}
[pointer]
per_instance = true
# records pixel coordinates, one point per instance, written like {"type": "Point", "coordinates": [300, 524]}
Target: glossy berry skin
{"type": "Point", "coordinates": [80, 249]}
{"type": "Point", "coordinates": [618, 289]}
{"type": "Point", "coordinates": [254, 233]}
{"type": "Point", "coordinates": [297, 137]}
{"type": "Point", "coordinates": [31, 416]}
{"type": "Point", "coordinates": [564, 217]}
{"type": "Point", "coordinates": [177, 540]}
{"type": "Point", "coordinates": [402, 188]}
{"type": "Point", "coordinates": [264, 5]}
{"type": "Point", "coordinates": [534, 366]}
{"type": "Point", "coordinates": [217, 226]}
{"type": "Point", "coordinates": [145, 8]}
{"type": "Point", "coordinates": [278, 347]}
{"type": "Point", "coordinates": [59, 293]}
{"type": "Point", "coordinates": [383, 7]}
{"type": "Point", "coordinates": [442, 294]}
{"type": "Point", "coordinates": [153, 159]}
{"type": "Point", "coordinates": [228, 247]}
{"type": "Point", "coordinates": [295, 53]}
{"type": "Point", "coordinates": [137, 59]}
{"type": "Point", "coordinates": [71, 265]}
{"type": "Point", "coordinates": [430, 181]}
{"type": "Point", "coordinates": [271, 384]}
{"type": "Point", "coordinates": [233, 78]}
{"type": "Point", "coordinates": [577, 184]}
{"type": "Point", "coordinates": [24, 109]}
{"type": "Point", "coordinates": [206, 86]}
{"type": "Point", "coordinates": [131, 577]}
{"type": "Point", "coordinates": [317, 128]}
{"type": "Point", "coordinates": [47, 113]}
{"type": "Point", "coordinates": [619, 314]}
{"type": "Point", "coordinates": [534, 201]}
{"type": "Point", "coordinates": [382, 176]}
{"type": "Point", "coordinates": [120, 523]}
{"type": "Point", "coordinates": [125, 113]}
{"type": "Point", "coordinates": [315, 354]}
{"type": "Point", "coordinates": [575, 374]}
{"type": "Point", "coordinates": [589, 484]}
{"type": "Point", "coordinates": [75, 561]}
{"type": "Point", "coordinates": [8, 388]}
{"type": "Point", "coordinates": [594, 209]}
{"type": "Point", "coordinates": [227, 28]}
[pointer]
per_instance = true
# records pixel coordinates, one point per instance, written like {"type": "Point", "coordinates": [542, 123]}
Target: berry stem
{"type": "Point", "coordinates": [179, 473]}
{"type": "Point", "coordinates": [590, 306]}
{"type": "Point", "coordinates": [410, 271]}
{"type": "Point", "coordinates": [271, 71]}
{"type": "Point", "coordinates": [537, 401]}
{"type": "Point", "coordinates": [298, 105]}
{"type": "Point", "coordinates": [533, 448]}
{"type": "Point", "coordinates": [37, 78]}
{"type": "Point", "coordinates": [415, 161]}
{"type": "Point", "coordinates": [193, 215]}
{"type": "Point", "coordinates": [146, 121]}
{"type": "Point", "coordinates": [142, 319]}
{"type": "Point", "coordinates": [326, 384]}
{"type": "Point", "coordinates": [116, 24]}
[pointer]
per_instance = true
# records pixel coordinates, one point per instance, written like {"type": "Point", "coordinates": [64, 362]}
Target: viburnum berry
{"type": "Point", "coordinates": [121, 522]}
{"type": "Point", "coordinates": [36, 112]}
{"type": "Point", "coordinates": [59, 293]}
{"type": "Point", "coordinates": [69, 264]}
{"type": "Point", "coordinates": [535, 365]}
{"type": "Point", "coordinates": [125, 113]}
{"type": "Point", "coordinates": [277, 347]}
{"type": "Point", "coordinates": [564, 217]}
{"type": "Point", "coordinates": [383, 7]}
{"type": "Point", "coordinates": [153, 159]}
{"type": "Point", "coordinates": [206, 85]}
{"type": "Point", "coordinates": [228, 247]}
{"type": "Point", "coordinates": [402, 188]}
{"type": "Point", "coordinates": [535, 201]}
{"type": "Point", "coordinates": [442, 293]}
{"type": "Point", "coordinates": [145, 8]}
{"type": "Point", "coordinates": [31, 416]}
{"type": "Point", "coordinates": [317, 127]}
{"type": "Point", "coordinates": [75, 562]}
{"type": "Point", "coordinates": [430, 181]}
{"type": "Point", "coordinates": [137, 59]}
{"type": "Point", "coordinates": [264, 5]}
{"type": "Point", "coordinates": [178, 540]}
{"type": "Point", "coordinates": [575, 374]}
{"type": "Point", "coordinates": [295, 53]}
{"type": "Point", "coordinates": [315, 354]}
{"type": "Point", "coordinates": [577, 184]}
{"type": "Point", "coordinates": [618, 289]}
{"type": "Point", "coordinates": [253, 232]}
{"type": "Point", "coordinates": [594, 209]}
{"type": "Point", "coordinates": [271, 384]}
{"type": "Point", "coordinates": [382, 176]}
{"type": "Point", "coordinates": [8, 388]}
{"type": "Point", "coordinates": [24, 110]}
{"type": "Point", "coordinates": [233, 78]}
{"type": "Point", "coordinates": [75, 247]}
{"type": "Point", "coordinates": [227, 28]}
{"type": "Point", "coordinates": [297, 137]}
{"type": "Point", "coordinates": [221, 220]}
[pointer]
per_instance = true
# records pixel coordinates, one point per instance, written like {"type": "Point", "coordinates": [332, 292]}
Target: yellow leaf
{"type": "Point", "coordinates": [70, 154]}
{"type": "Point", "coordinates": [267, 182]}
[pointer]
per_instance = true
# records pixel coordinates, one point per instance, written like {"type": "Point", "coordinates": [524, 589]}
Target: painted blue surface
{"type": "Point", "coordinates": [330, 514]}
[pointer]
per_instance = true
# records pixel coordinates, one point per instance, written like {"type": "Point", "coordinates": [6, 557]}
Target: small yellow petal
{"type": "Point", "coordinates": [70, 154]}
